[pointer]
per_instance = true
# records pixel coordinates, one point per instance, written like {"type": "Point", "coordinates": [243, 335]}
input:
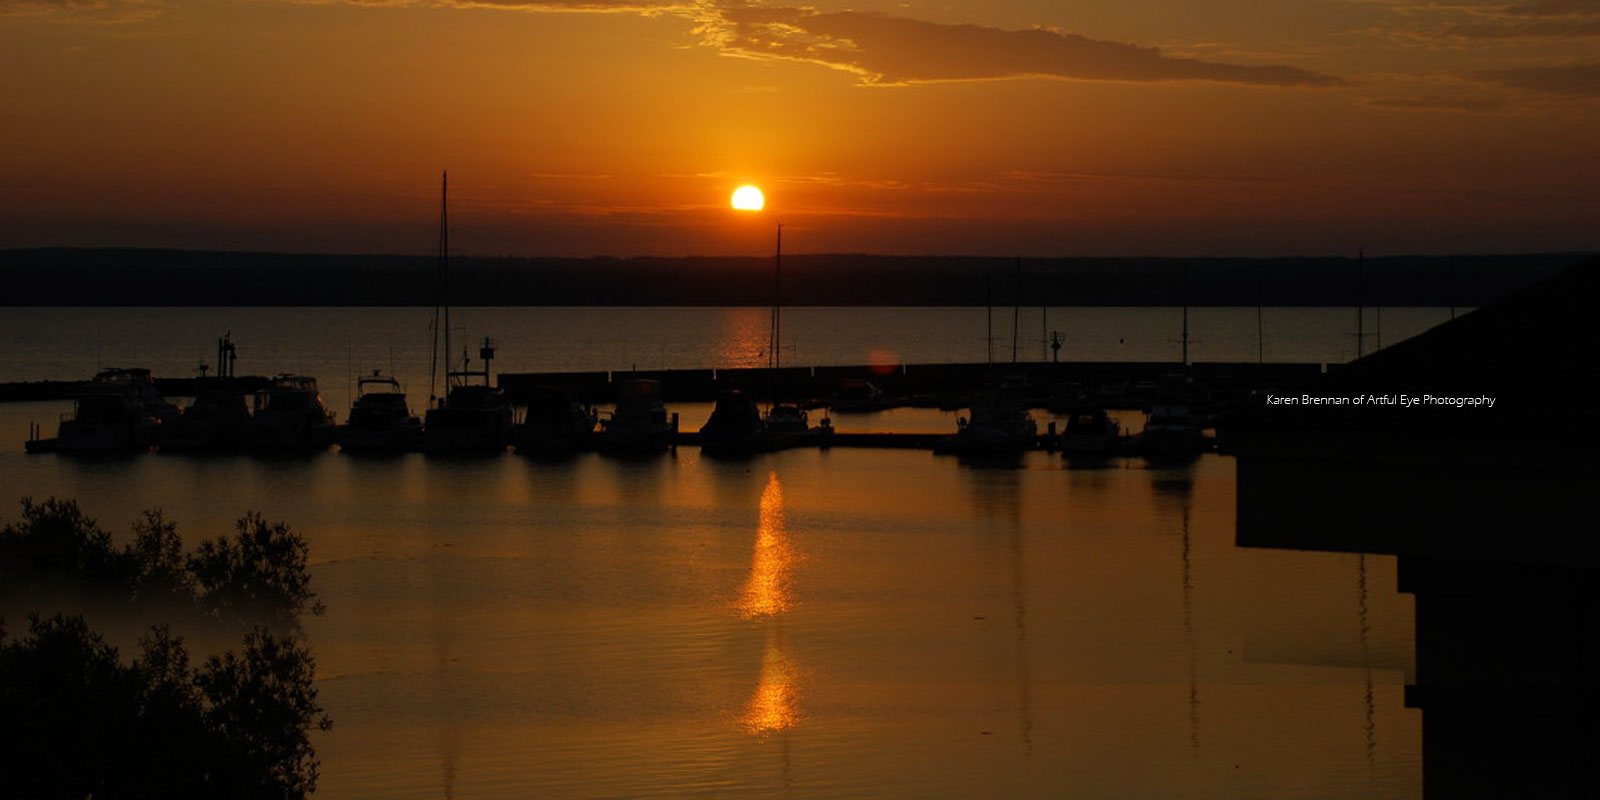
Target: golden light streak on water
{"type": "Point", "coordinates": [766, 596]}
{"type": "Point", "coordinates": [766, 591]}
{"type": "Point", "coordinates": [775, 706]}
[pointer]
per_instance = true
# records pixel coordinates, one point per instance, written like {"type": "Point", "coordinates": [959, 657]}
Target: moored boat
{"type": "Point", "coordinates": [107, 417]}
{"type": "Point", "coordinates": [997, 425]}
{"type": "Point", "coordinates": [216, 420]}
{"type": "Point", "coordinates": [856, 395]}
{"type": "Point", "coordinates": [735, 426]}
{"type": "Point", "coordinates": [789, 425]}
{"type": "Point", "coordinates": [473, 418]}
{"type": "Point", "coordinates": [380, 418]}
{"type": "Point", "coordinates": [1172, 429]}
{"type": "Point", "coordinates": [640, 422]}
{"type": "Point", "coordinates": [1090, 433]}
{"type": "Point", "coordinates": [555, 424]}
{"type": "Point", "coordinates": [290, 416]}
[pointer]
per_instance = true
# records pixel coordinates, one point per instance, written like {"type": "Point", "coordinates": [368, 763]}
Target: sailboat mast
{"type": "Point", "coordinates": [1185, 290]}
{"type": "Point", "coordinates": [1361, 302]}
{"type": "Point", "coordinates": [444, 267]}
{"type": "Point", "coordinates": [1016, 310]}
{"type": "Point", "coordinates": [777, 300]}
{"type": "Point", "coordinates": [438, 308]}
{"type": "Point", "coordinates": [988, 324]}
{"type": "Point", "coordinates": [1261, 338]}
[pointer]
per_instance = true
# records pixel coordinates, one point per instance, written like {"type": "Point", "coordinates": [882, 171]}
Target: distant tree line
{"type": "Point", "coordinates": [78, 720]}
{"type": "Point", "coordinates": [122, 277]}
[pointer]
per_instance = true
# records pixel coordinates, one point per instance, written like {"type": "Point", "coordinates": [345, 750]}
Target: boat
{"type": "Point", "coordinates": [997, 424]}
{"type": "Point", "coordinates": [555, 423]}
{"type": "Point", "coordinates": [857, 395]}
{"type": "Point", "coordinates": [1172, 429]}
{"type": "Point", "coordinates": [107, 417]}
{"type": "Point", "coordinates": [380, 419]}
{"type": "Point", "coordinates": [1090, 432]}
{"type": "Point", "coordinates": [640, 422]}
{"type": "Point", "coordinates": [788, 425]}
{"type": "Point", "coordinates": [473, 418]}
{"type": "Point", "coordinates": [218, 419]}
{"type": "Point", "coordinates": [1065, 397]}
{"type": "Point", "coordinates": [734, 427]}
{"type": "Point", "coordinates": [785, 424]}
{"type": "Point", "coordinates": [137, 381]}
{"type": "Point", "coordinates": [290, 415]}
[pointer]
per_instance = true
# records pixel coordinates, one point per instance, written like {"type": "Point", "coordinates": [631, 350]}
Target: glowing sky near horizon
{"type": "Point", "coordinates": [582, 127]}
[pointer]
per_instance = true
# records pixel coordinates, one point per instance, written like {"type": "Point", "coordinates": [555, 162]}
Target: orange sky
{"type": "Point", "coordinates": [580, 127]}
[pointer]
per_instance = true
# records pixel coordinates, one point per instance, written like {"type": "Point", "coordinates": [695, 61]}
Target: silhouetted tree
{"type": "Point", "coordinates": [80, 723]}
{"type": "Point", "coordinates": [157, 555]}
{"type": "Point", "coordinates": [56, 536]}
{"type": "Point", "coordinates": [260, 573]}
{"type": "Point", "coordinates": [76, 721]}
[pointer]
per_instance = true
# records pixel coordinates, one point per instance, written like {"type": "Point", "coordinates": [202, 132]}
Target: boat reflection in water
{"type": "Point", "coordinates": [775, 705]}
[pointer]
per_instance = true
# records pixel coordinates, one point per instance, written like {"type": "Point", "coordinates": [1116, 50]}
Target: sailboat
{"type": "Point", "coordinates": [735, 426]}
{"type": "Point", "coordinates": [473, 417]}
{"type": "Point", "coordinates": [997, 423]}
{"type": "Point", "coordinates": [784, 424]}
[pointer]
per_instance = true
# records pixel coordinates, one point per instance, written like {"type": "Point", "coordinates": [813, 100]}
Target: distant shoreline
{"type": "Point", "coordinates": [61, 277]}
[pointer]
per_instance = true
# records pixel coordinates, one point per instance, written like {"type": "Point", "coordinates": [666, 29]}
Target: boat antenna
{"type": "Point", "coordinates": [444, 266]}
{"type": "Point", "coordinates": [774, 358]}
{"type": "Point", "coordinates": [1377, 323]}
{"type": "Point", "coordinates": [1185, 291]}
{"type": "Point", "coordinates": [1261, 339]}
{"type": "Point", "coordinates": [1361, 301]}
{"type": "Point", "coordinates": [1016, 309]}
{"type": "Point", "coordinates": [988, 326]}
{"type": "Point", "coordinates": [1450, 285]}
{"type": "Point", "coordinates": [1044, 330]}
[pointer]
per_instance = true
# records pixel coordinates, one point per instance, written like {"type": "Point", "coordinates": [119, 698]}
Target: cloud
{"type": "Point", "coordinates": [1554, 8]}
{"type": "Point", "coordinates": [1579, 80]}
{"type": "Point", "coordinates": [1526, 20]}
{"type": "Point", "coordinates": [581, 6]}
{"type": "Point", "coordinates": [888, 50]}
{"type": "Point", "coordinates": [83, 10]}
{"type": "Point", "coordinates": [1431, 102]}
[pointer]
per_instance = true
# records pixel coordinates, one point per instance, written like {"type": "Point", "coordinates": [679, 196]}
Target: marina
{"type": "Point", "coordinates": [477, 420]}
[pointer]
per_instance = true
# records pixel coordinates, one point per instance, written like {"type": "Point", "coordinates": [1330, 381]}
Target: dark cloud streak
{"type": "Point", "coordinates": [897, 50]}
{"type": "Point", "coordinates": [887, 50]}
{"type": "Point", "coordinates": [83, 10]}
{"type": "Point", "coordinates": [1579, 80]}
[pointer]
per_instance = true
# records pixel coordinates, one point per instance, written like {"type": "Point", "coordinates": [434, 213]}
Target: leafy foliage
{"type": "Point", "coordinates": [81, 723]}
{"type": "Point", "coordinates": [260, 575]}
{"type": "Point", "coordinates": [262, 570]}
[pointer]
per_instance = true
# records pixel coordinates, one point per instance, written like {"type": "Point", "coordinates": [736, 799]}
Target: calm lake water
{"type": "Point", "coordinates": [851, 623]}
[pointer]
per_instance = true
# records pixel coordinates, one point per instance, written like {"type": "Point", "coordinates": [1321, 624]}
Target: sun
{"type": "Point", "coordinates": [748, 198]}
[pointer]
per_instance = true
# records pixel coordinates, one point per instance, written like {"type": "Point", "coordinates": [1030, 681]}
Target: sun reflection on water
{"type": "Point", "coordinates": [766, 591]}
{"type": "Point", "coordinates": [774, 706]}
